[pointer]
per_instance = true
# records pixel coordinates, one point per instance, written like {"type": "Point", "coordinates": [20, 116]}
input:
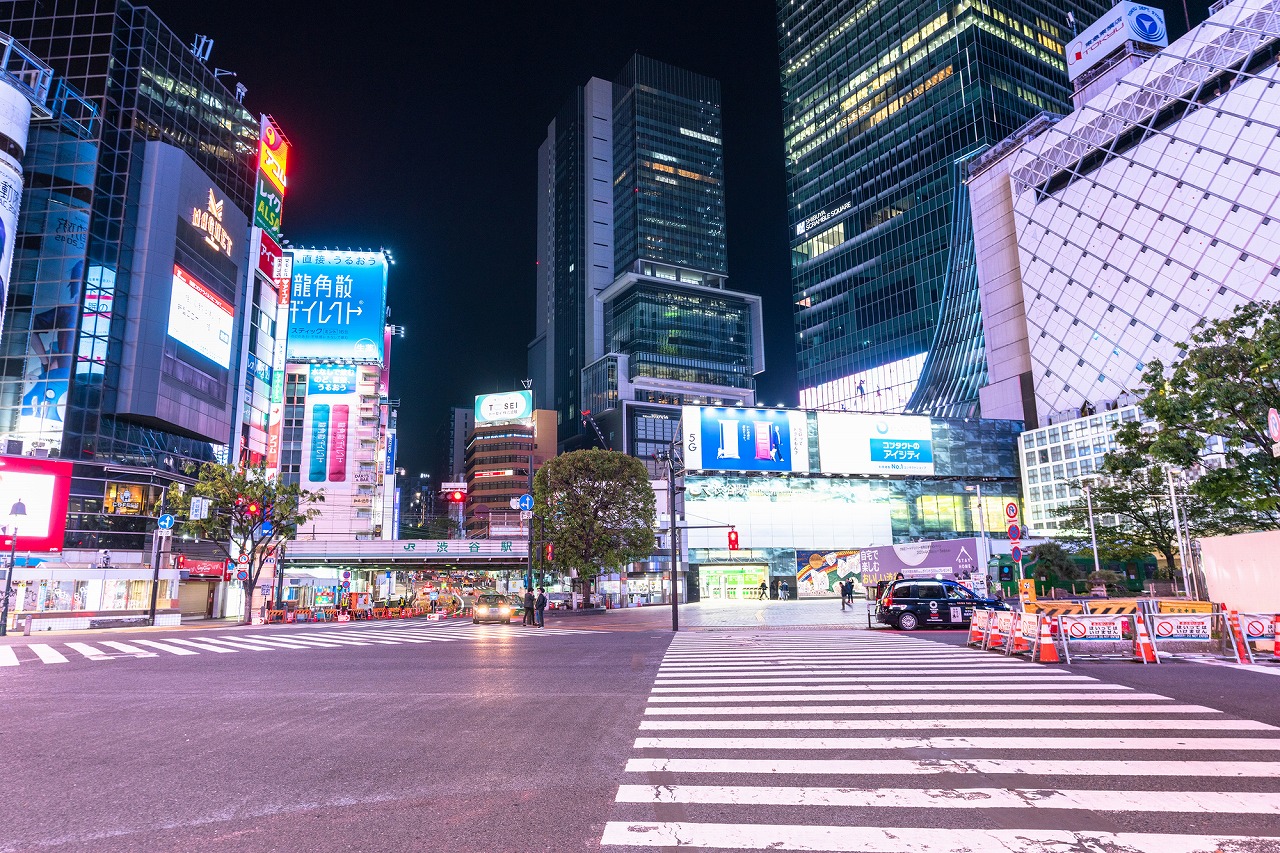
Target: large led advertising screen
{"type": "Point", "coordinates": [717, 439]}
{"type": "Point", "coordinates": [337, 306]}
{"type": "Point", "coordinates": [33, 502]}
{"type": "Point", "coordinates": [851, 443]}
{"type": "Point", "coordinates": [200, 319]}
{"type": "Point", "coordinates": [331, 400]}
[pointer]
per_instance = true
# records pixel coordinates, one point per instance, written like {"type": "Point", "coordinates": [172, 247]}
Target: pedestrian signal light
{"type": "Point", "coordinates": [733, 540]}
{"type": "Point", "coordinates": [547, 551]}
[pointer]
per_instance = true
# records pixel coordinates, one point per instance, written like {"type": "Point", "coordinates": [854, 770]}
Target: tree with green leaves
{"type": "Point", "coordinates": [1222, 385]}
{"type": "Point", "coordinates": [241, 499]}
{"type": "Point", "coordinates": [1052, 558]}
{"type": "Point", "coordinates": [596, 508]}
{"type": "Point", "coordinates": [1134, 488]}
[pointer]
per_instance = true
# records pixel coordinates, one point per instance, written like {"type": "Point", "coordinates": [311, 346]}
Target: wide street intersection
{"type": "Point", "coordinates": [760, 726]}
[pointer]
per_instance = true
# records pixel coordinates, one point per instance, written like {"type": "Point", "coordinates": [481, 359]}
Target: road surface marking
{"type": "Point", "coordinates": [133, 650]}
{"type": "Point", "coordinates": [47, 654]}
{"type": "Point", "coordinates": [791, 710]}
{"type": "Point", "coordinates": [1001, 743]}
{"type": "Point", "coordinates": [238, 644]}
{"type": "Point", "coordinates": [1004, 684]}
{"type": "Point", "coordinates": [869, 839]}
{"type": "Point", "coordinates": [165, 647]}
{"type": "Point", "coordinates": [874, 679]}
{"type": "Point", "coordinates": [913, 723]}
{"type": "Point", "coordinates": [1052, 769]}
{"type": "Point", "coordinates": [829, 697]}
{"type": "Point", "coordinates": [202, 646]}
{"type": "Point", "coordinates": [1204, 802]}
{"type": "Point", "coordinates": [8, 657]}
{"type": "Point", "coordinates": [91, 652]}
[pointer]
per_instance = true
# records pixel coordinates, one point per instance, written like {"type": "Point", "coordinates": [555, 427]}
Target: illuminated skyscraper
{"type": "Point", "coordinates": [885, 104]}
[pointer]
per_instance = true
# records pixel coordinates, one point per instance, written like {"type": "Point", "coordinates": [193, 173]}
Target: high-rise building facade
{"type": "Point", "coordinates": [1109, 233]}
{"type": "Point", "coordinates": [634, 317]}
{"type": "Point", "coordinates": [884, 103]}
{"type": "Point", "coordinates": [128, 333]}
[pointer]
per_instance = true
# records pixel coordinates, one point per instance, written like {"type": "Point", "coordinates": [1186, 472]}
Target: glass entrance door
{"type": "Point", "coordinates": [731, 583]}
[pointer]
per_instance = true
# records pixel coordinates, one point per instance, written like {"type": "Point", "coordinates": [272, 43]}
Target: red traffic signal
{"type": "Point", "coordinates": [733, 540]}
{"type": "Point", "coordinates": [457, 497]}
{"type": "Point", "coordinates": [547, 551]}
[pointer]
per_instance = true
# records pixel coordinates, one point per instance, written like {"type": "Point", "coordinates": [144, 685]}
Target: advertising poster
{"type": "Point", "coordinates": [200, 319]}
{"type": "Point", "coordinates": [954, 559]}
{"type": "Point", "coordinates": [331, 401]}
{"type": "Point", "coordinates": [33, 502]}
{"type": "Point", "coordinates": [507, 407]}
{"type": "Point", "coordinates": [851, 443]}
{"type": "Point", "coordinates": [268, 207]}
{"type": "Point", "coordinates": [123, 499]}
{"type": "Point", "coordinates": [719, 439]}
{"type": "Point", "coordinates": [55, 313]}
{"type": "Point", "coordinates": [820, 573]}
{"type": "Point", "coordinates": [337, 306]}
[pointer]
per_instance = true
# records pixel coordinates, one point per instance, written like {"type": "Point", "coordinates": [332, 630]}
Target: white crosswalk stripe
{"type": "Point", "coordinates": [1013, 756]}
{"type": "Point", "coordinates": [342, 637]}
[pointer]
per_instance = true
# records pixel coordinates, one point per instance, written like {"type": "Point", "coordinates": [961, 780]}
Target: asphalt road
{"type": "Point", "coordinates": [420, 736]}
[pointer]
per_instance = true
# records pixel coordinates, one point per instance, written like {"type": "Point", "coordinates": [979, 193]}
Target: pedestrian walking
{"type": "Point", "coordinates": [764, 591]}
{"type": "Point", "coordinates": [784, 591]}
{"type": "Point", "coordinates": [528, 607]}
{"type": "Point", "coordinates": [846, 594]}
{"type": "Point", "coordinates": [541, 607]}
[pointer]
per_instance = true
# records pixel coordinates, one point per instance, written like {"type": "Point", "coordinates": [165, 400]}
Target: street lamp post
{"type": "Point", "coordinates": [982, 525]}
{"type": "Point", "coordinates": [8, 582]}
{"type": "Point", "coordinates": [1093, 535]}
{"type": "Point", "coordinates": [1177, 532]}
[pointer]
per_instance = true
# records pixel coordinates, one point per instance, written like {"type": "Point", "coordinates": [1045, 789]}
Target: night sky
{"type": "Point", "coordinates": [420, 131]}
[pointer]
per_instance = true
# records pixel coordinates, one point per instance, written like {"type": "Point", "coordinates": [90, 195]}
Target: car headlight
{"type": "Point", "coordinates": [482, 610]}
{"type": "Point", "coordinates": [504, 610]}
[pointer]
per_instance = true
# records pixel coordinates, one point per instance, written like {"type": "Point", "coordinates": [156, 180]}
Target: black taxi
{"type": "Point", "coordinates": [908, 604]}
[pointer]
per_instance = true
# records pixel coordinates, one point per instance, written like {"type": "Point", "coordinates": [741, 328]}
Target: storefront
{"type": "Point", "coordinates": [61, 596]}
{"type": "Point", "coordinates": [731, 583]}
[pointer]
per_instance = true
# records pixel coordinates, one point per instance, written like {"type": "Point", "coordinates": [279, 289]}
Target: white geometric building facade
{"type": "Point", "coordinates": [1153, 205]}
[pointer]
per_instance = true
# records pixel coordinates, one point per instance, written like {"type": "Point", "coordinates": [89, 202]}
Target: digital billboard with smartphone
{"type": "Point", "coordinates": [718, 439]}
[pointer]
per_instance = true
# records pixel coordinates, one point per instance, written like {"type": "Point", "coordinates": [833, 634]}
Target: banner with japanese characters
{"type": "Point", "coordinates": [850, 443]}
{"type": "Point", "coordinates": [337, 306]}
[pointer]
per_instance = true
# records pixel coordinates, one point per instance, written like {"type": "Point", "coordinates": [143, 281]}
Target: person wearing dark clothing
{"type": "Point", "coordinates": [528, 608]}
{"type": "Point", "coordinates": [541, 606]}
{"type": "Point", "coordinates": [846, 594]}
{"type": "Point", "coordinates": [784, 591]}
{"type": "Point", "coordinates": [764, 591]}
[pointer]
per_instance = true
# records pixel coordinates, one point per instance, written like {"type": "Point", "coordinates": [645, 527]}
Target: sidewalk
{"type": "Point", "coordinates": [815, 614]}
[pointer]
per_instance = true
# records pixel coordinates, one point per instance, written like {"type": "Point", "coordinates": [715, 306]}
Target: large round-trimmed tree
{"type": "Point", "coordinates": [596, 508]}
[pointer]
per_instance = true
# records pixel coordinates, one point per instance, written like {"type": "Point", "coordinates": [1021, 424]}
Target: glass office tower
{"type": "Point", "coordinates": [884, 105]}
{"type": "Point", "coordinates": [142, 191]}
{"type": "Point", "coordinates": [633, 308]}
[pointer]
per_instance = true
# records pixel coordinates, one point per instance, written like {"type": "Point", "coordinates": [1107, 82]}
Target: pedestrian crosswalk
{"type": "Point", "coordinates": [879, 743]}
{"type": "Point", "coordinates": [296, 638]}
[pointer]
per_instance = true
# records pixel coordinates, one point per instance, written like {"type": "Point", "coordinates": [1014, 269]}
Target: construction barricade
{"type": "Point", "coordinates": [1025, 635]}
{"type": "Point", "coordinates": [1197, 635]}
{"type": "Point", "coordinates": [979, 624]}
{"type": "Point", "coordinates": [999, 629]}
{"type": "Point", "coordinates": [1104, 636]}
{"type": "Point", "coordinates": [1260, 628]}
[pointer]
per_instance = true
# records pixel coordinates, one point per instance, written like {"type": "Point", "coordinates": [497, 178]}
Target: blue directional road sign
{"type": "Point", "coordinates": [266, 527]}
{"type": "Point", "coordinates": [165, 522]}
{"type": "Point", "coordinates": [526, 502]}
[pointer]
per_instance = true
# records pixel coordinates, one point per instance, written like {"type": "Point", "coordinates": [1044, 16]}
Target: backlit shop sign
{"type": "Point", "coordinates": [481, 474]}
{"type": "Point", "coordinates": [273, 154]}
{"type": "Point", "coordinates": [209, 221]}
{"type": "Point", "coordinates": [844, 205]}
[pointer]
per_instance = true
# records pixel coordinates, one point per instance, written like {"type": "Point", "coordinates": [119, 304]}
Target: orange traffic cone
{"type": "Point", "coordinates": [1020, 642]}
{"type": "Point", "coordinates": [978, 626]}
{"type": "Point", "coordinates": [1048, 651]}
{"type": "Point", "coordinates": [1143, 650]}
{"type": "Point", "coordinates": [995, 636]}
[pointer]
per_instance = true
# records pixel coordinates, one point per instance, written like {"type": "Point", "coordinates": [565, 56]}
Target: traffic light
{"type": "Point", "coordinates": [457, 497]}
{"type": "Point", "coordinates": [733, 540]}
{"type": "Point", "coordinates": [547, 552]}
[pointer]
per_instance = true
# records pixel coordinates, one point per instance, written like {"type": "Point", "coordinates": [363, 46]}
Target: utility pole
{"type": "Point", "coordinates": [8, 582]}
{"type": "Point", "coordinates": [155, 558]}
{"type": "Point", "coordinates": [1093, 536]}
{"type": "Point", "coordinates": [1177, 532]}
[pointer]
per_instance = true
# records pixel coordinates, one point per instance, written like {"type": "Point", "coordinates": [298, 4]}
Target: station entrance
{"type": "Point", "coordinates": [731, 582]}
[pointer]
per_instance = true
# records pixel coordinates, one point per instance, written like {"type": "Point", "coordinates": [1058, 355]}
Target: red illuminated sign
{"type": "Point", "coordinates": [203, 568]}
{"type": "Point", "coordinates": [273, 154]}
{"type": "Point", "coordinates": [33, 502]}
{"type": "Point", "coordinates": [269, 255]}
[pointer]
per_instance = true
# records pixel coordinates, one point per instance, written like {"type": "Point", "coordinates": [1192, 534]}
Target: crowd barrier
{"type": "Point", "coordinates": [1135, 631]}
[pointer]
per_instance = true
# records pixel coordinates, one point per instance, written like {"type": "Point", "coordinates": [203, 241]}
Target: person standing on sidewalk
{"type": "Point", "coordinates": [528, 608]}
{"type": "Point", "coordinates": [541, 607]}
{"type": "Point", "coordinates": [846, 594]}
{"type": "Point", "coordinates": [784, 591]}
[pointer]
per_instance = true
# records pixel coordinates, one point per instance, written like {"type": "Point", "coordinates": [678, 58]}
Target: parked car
{"type": "Point", "coordinates": [491, 607]}
{"type": "Point", "coordinates": [908, 604]}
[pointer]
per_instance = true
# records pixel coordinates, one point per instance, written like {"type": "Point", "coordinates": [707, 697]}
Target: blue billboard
{"type": "Point", "coordinates": [745, 440]}
{"type": "Point", "coordinates": [337, 306]}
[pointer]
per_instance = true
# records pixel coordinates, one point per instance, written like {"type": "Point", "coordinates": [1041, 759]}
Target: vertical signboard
{"type": "Point", "coordinates": [331, 402]}
{"type": "Point", "coordinates": [15, 120]}
{"type": "Point", "coordinates": [337, 306]}
{"type": "Point", "coordinates": [273, 160]}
